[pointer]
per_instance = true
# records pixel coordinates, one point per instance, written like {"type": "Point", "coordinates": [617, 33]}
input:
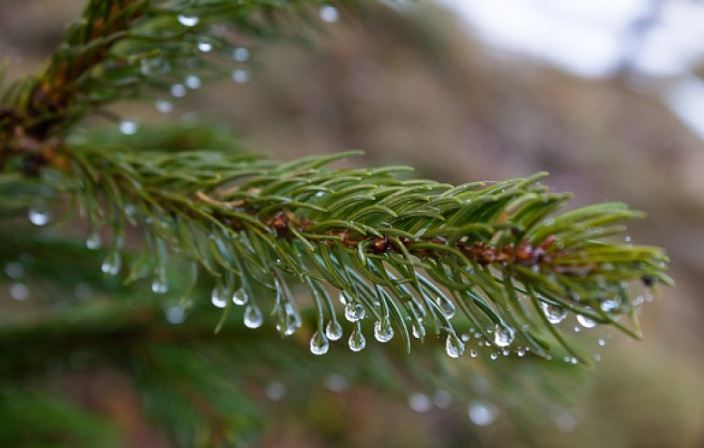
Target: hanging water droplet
{"type": "Point", "coordinates": [187, 20]}
{"type": "Point", "coordinates": [329, 14]}
{"type": "Point", "coordinates": [383, 331]}
{"type": "Point", "coordinates": [164, 106]}
{"type": "Point", "coordinates": [39, 213]}
{"type": "Point", "coordinates": [577, 329]}
{"type": "Point", "coordinates": [333, 330]}
{"type": "Point", "coordinates": [465, 337]}
{"type": "Point", "coordinates": [112, 263]}
{"type": "Point", "coordinates": [354, 311]}
{"type": "Point", "coordinates": [319, 343]}
{"type": "Point", "coordinates": [554, 314]}
{"type": "Point", "coordinates": [494, 356]}
{"type": "Point", "coordinates": [418, 330]}
{"type": "Point", "coordinates": [446, 307]}
{"type": "Point", "coordinates": [240, 75]}
{"type": "Point", "coordinates": [19, 291]}
{"type": "Point", "coordinates": [521, 352]}
{"type": "Point", "coordinates": [128, 127]}
{"type": "Point", "coordinates": [601, 342]}
{"type": "Point", "coordinates": [610, 305]}
{"type": "Point", "coordinates": [178, 90]}
{"type": "Point", "coordinates": [218, 297]}
{"type": "Point", "coordinates": [240, 54]}
{"type": "Point", "coordinates": [160, 284]}
{"type": "Point", "coordinates": [504, 336]}
{"type": "Point", "coordinates": [240, 297]}
{"type": "Point", "coordinates": [193, 82]}
{"type": "Point", "coordinates": [289, 321]}
{"type": "Point", "coordinates": [473, 353]}
{"type": "Point", "coordinates": [585, 321]}
{"type": "Point", "coordinates": [93, 242]}
{"type": "Point", "coordinates": [204, 45]}
{"type": "Point", "coordinates": [454, 347]}
{"type": "Point", "coordinates": [175, 315]}
{"type": "Point", "coordinates": [253, 317]}
{"type": "Point", "coordinates": [419, 402]}
{"type": "Point", "coordinates": [482, 414]}
{"type": "Point", "coordinates": [343, 298]}
{"type": "Point", "coordinates": [357, 342]}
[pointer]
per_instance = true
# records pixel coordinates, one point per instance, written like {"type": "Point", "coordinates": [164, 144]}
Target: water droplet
{"type": "Point", "coordinates": [129, 127]}
{"type": "Point", "coordinates": [39, 214]}
{"type": "Point", "coordinates": [473, 353]}
{"type": "Point", "coordinates": [175, 315]}
{"type": "Point", "coordinates": [253, 317]}
{"type": "Point", "coordinates": [503, 336]}
{"type": "Point", "coordinates": [178, 90]}
{"type": "Point", "coordinates": [329, 14]}
{"type": "Point", "coordinates": [333, 330]}
{"type": "Point", "coordinates": [383, 331]}
{"type": "Point", "coordinates": [289, 321]}
{"type": "Point", "coordinates": [454, 347]}
{"type": "Point", "coordinates": [336, 382]}
{"type": "Point", "coordinates": [93, 242]}
{"type": "Point", "coordinates": [188, 21]}
{"type": "Point", "coordinates": [112, 263]}
{"type": "Point", "coordinates": [357, 342]}
{"type": "Point", "coordinates": [482, 414]}
{"type": "Point", "coordinates": [240, 75]}
{"type": "Point", "coordinates": [218, 297]}
{"type": "Point", "coordinates": [193, 82]}
{"type": "Point", "coordinates": [240, 297]}
{"type": "Point", "coordinates": [164, 106]}
{"type": "Point", "coordinates": [418, 329]}
{"type": "Point", "coordinates": [601, 342]}
{"type": "Point", "coordinates": [554, 314]}
{"type": "Point", "coordinates": [343, 298]}
{"type": "Point", "coordinates": [240, 54]}
{"type": "Point", "coordinates": [577, 328]}
{"type": "Point", "coordinates": [19, 291]}
{"type": "Point", "coordinates": [354, 311]}
{"type": "Point", "coordinates": [597, 357]}
{"type": "Point", "coordinates": [160, 285]}
{"type": "Point", "coordinates": [14, 270]}
{"type": "Point", "coordinates": [275, 390]}
{"type": "Point", "coordinates": [494, 356]}
{"type": "Point", "coordinates": [419, 402]}
{"type": "Point", "coordinates": [586, 322]}
{"type": "Point", "coordinates": [521, 352]}
{"type": "Point", "coordinates": [505, 352]}
{"type": "Point", "coordinates": [204, 46]}
{"type": "Point", "coordinates": [465, 337]}
{"type": "Point", "coordinates": [442, 399]}
{"type": "Point", "coordinates": [446, 307]}
{"type": "Point", "coordinates": [610, 305]}
{"type": "Point", "coordinates": [319, 343]}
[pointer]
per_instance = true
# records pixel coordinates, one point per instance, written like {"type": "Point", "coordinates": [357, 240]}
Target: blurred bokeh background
{"type": "Point", "coordinates": [607, 95]}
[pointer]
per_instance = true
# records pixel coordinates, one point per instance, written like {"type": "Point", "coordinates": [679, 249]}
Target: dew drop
{"type": "Point", "coordinates": [39, 214]}
{"type": "Point", "coordinates": [204, 46]}
{"type": "Point", "coordinates": [357, 342]}
{"type": "Point", "coordinates": [482, 414]}
{"type": "Point", "coordinates": [333, 330]}
{"type": "Point", "coordinates": [128, 127]}
{"type": "Point", "coordinates": [418, 329]}
{"type": "Point", "coordinates": [193, 82]}
{"type": "Point", "coordinates": [240, 54]}
{"type": "Point", "coordinates": [554, 314]}
{"type": "Point", "coordinates": [383, 331]}
{"type": "Point", "coordinates": [240, 297]}
{"type": "Point", "coordinates": [329, 14]}
{"type": "Point", "coordinates": [188, 21]}
{"type": "Point", "coordinates": [521, 352]}
{"type": "Point", "coordinates": [601, 342]}
{"type": "Point", "coordinates": [419, 402]}
{"type": "Point", "coordinates": [454, 347]}
{"type": "Point", "coordinates": [253, 317]}
{"type": "Point", "coordinates": [503, 336]}
{"type": "Point", "coordinates": [218, 297]}
{"type": "Point", "coordinates": [175, 315]}
{"type": "Point", "coordinates": [93, 242]}
{"type": "Point", "coordinates": [610, 305]}
{"type": "Point", "coordinates": [19, 291]}
{"type": "Point", "coordinates": [178, 90]}
{"type": "Point", "coordinates": [343, 298]}
{"type": "Point", "coordinates": [473, 353]}
{"type": "Point", "coordinates": [586, 322]}
{"type": "Point", "coordinates": [446, 307]}
{"type": "Point", "coordinates": [354, 311]}
{"type": "Point", "coordinates": [319, 343]}
{"type": "Point", "coordinates": [160, 285]}
{"type": "Point", "coordinates": [494, 356]}
{"type": "Point", "coordinates": [112, 263]}
{"type": "Point", "coordinates": [240, 75]}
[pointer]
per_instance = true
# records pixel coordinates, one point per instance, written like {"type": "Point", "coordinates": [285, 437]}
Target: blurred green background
{"type": "Point", "coordinates": [414, 84]}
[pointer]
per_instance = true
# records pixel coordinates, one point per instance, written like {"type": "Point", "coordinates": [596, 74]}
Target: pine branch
{"type": "Point", "coordinates": [404, 253]}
